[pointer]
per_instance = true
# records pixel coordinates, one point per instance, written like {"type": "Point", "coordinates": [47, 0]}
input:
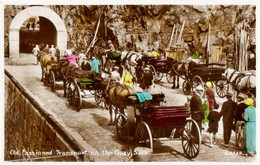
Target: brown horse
{"type": "Point", "coordinates": [179, 69]}
{"type": "Point", "coordinates": [46, 62]}
{"type": "Point", "coordinates": [117, 96]}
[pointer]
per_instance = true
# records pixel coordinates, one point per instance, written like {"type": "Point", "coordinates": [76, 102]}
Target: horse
{"type": "Point", "coordinates": [117, 95]}
{"type": "Point", "coordinates": [178, 70]}
{"type": "Point", "coordinates": [45, 61]}
{"type": "Point", "coordinates": [241, 81]}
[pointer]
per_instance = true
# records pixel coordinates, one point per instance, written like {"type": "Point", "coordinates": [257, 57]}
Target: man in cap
{"type": "Point", "coordinates": [250, 127]}
{"type": "Point", "coordinates": [227, 111]}
{"type": "Point", "coordinates": [196, 107]}
{"type": "Point", "coordinates": [146, 80]}
{"type": "Point", "coordinates": [239, 120]}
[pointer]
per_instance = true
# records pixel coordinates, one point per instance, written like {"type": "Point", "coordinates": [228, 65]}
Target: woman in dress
{"type": "Point", "coordinates": [250, 128]}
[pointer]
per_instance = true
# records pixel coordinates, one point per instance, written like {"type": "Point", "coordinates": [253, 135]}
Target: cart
{"type": "Point", "coordinates": [78, 87]}
{"type": "Point", "coordinates": [160, 68]}
{"type": "Point", "coordinates": [148, 120]}
{"type": "Point", "coordinates": [199, 74]}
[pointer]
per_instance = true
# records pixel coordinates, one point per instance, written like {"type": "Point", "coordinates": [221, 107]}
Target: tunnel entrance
{"type": "Point", "coordinates": [37, 30]}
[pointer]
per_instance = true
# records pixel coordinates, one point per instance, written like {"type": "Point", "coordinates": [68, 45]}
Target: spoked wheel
{"type": "Point", "coordinates": [186, 87]}
{"type": "Point", "coordinates": [239, 134]}
{"type": "Point", "coordinates": [169, 77]}
{"type": "Point", "coordinates": [197, 81]}
{"type": "Point", "coordinates": [121, 127]}
{"type": "Point", "coordinates": [77, 98]}
{"type": "Point", "coordinates": [143, 136]}
{"type": "Point", "coordinates": [158, 76]}
{"type": "Point", "coordinates": [191, 139]}
{"type": "Point", "coordinates": [98, 96]}
{"type": "Point", "coordinates": [221, 88]}
{"type": "Point", "coordinates": [52, 81]}
{"type": "Point", "coordinates": [70, 96]}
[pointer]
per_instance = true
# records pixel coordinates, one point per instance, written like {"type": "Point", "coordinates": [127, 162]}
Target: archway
{"type": "Point", "coordinates": [36, 11]}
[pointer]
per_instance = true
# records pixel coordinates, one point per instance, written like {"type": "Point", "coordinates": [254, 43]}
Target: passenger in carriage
{"type": "Point", "coordinates": [72, 59]}
{"type": "Point", "coordinates": [127, 79]}
{"type": "Point", "coordinates": [95, 65]}
{"type": "Point", "coordinates": [81, 58]}
{"type": "Point", "coordinates": [85, 65]}
{"type": "Point", "coordinates": [155, 54]}
{"type": "Point", "coordinates": [110, 49]}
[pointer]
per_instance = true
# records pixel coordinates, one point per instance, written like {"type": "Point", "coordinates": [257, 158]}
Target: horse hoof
{"type": "Point", "coordinates": [110, 124]}
{"type": "Point", "coordinates": [173, 87]}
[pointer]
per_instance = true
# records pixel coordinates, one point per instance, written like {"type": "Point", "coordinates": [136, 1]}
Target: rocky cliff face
{"type": "Point", "coordinates": [143, 27]}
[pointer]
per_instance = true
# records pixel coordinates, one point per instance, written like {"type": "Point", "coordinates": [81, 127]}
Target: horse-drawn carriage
{"type": "Point", "coordinates": [76, 81]}
{"type": "Point", "coordinates": [199, 74]}
{"type": "Point", "coordinates": [148, 120]}
{"type": "Point", "coordinates": [51, 70]}
{"type": "Point", "coordinates": [160, 67]}
{"type": "Point", "coordinates": [112, 59]}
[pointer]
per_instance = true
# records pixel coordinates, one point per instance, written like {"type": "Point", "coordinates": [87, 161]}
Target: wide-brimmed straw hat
{"type": "Point", "coordinates": [249, 101]}
{"type": "Point", "coordinates": [209, 84]}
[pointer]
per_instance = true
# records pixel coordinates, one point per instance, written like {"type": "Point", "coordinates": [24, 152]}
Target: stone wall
{"type": "Point", "coordinates": [31, 134]}
{"type": "Point", "coordinates": [143, 27]}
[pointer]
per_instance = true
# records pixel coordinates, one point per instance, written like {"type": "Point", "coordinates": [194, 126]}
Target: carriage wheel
{"type": "Point", "coordinates": [197, 81]}
{"type": "Point", "coordinates": [221, 88]}
{"type": "Point", "coordinates": [186, 87]}
{"type": "Point", "coordinates": [143, 136]}
{"type": "Point", "coordinates": [77, 98]}
{"type": "Point", "coordinates": [98, 96]}
{"type": "Point", "coordinates": [191, 139]}
{"type": "Point", "coordinates": [158, 76]}
{"type": "Point", "coordinates": [52, 81]}
{"type": "Point", "coordinates": [169, 77]}
{"type": "Point", "coordinates": [239, 135]}
{"type": "Point", "coordinates": [70, 96]}
{"type": "Point", "coordinates": [121, 127]}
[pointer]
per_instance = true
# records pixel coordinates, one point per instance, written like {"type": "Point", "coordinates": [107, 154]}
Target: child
{"type": "Point", "coordinates": [205, 105]}
{"type": "Point", "coordinates": [213, 118]}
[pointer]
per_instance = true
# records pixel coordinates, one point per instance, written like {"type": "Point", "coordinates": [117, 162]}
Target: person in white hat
{"type": "Point", "coordinates": [147, 79]}
{"type": "Point", "coordinates": [196, 107]}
